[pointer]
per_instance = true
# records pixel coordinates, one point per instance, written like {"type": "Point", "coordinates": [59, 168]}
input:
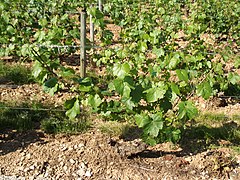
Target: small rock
{"type": "Point", "coordinates": [46, 174]}
{"type": "Point", "coordinates": [61, 163]}
{"type": "Point", "coordinates": [83, 166]}
{"type": "Point", "coordinates": [88, 173]}
{"type": "Point", "coordinates": [80, 145]}
{"type": "Point", "coordinates": [65, 168]}
{"type": "Point", "coordinates": [28, 156]}
{"type": "Point", "coordinates": [32, 167]}
{"type": "Point", "coordinates": [80, 172]}
{"type": "Point", "coordinates": [72, 161]}
{"type": "Point", "coordinates": [26, 169]}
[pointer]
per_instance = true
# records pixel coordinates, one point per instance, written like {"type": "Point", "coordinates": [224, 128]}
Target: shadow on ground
{"type": "Point", "coordinates": [196, 139]}
{"type": "Point", "coordinates": [11, 141]}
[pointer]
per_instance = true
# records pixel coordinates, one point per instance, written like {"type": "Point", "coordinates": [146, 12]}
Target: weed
{"type": "Point", "coordinates": [18, 74]}
{"type": "Point", "coordinates": [26, 117]}
{"type": "Point", "coordinates": [114, 128]}
{"type": "Point", "coordinates": [55, 125]}
{"type": "Point", "coordinates": [209, 130]}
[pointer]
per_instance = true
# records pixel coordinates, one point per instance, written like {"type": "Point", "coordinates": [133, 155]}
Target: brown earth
{"type": "Point", "coordinates": [93, 155]}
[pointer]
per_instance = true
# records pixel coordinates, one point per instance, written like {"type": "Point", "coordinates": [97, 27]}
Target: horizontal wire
{"type": "Point", "coordinates": [101, 47]}
{"type": "Point", "coordinates": [31, 109]}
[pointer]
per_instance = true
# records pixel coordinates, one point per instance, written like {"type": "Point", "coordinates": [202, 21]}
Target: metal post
{"type": "Point", "coordinates": [83, 45]}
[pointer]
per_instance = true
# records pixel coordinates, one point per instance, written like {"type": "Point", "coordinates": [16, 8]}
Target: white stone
{"type": "Point", "coordinates": [72, 161]}
{"type": "Point", "coordinates": [88, 173]}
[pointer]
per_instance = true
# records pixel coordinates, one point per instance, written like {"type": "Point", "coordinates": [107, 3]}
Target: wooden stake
{"type": "Point", "coordinates": [83, 45]}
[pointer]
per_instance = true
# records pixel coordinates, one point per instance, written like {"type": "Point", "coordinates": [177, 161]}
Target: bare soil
{"type": "Point", "coordinates": [94, 155]}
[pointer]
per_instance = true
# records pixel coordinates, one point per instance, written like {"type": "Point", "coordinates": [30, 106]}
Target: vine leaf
{"type": "Point", "coordinates": [155, 93]}
{"type": "Point", "coordinates": [74, 108]}
{"type": "Point", "coordinates": [204, 89]}
{"type": "Point", "coordinates": [155, 125]}
{"type": "Point", "coordinates": [121, 70]}
{"type": "Point", "coordinates": [142, 120]}
{"type": "Point", "coordinates": [187, 110]}
{"type": "Point", "coordinates": [94, 102]}
{"type": "Point", "coordinates": [51, 86]}
{"type": "Point", "coordinates": [182, 74]}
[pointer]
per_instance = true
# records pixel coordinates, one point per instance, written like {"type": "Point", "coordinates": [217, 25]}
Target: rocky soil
{"type": "Point", "coordinates": [94, 155]}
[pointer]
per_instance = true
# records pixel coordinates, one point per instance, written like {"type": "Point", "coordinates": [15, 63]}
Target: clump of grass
{"type": "Point", "coordinates": [209, 130]}
{"type": "Point", "coordinates": [55, 125]}
{"type": "Point", "coordinates": [114, 128]}
{"type": "Point", "coordinates": [17, 73]}
{"type": "Point", "coordinates": [35, 116]}
{"type": "Point", "coordinates": [19, 118]}
{"type": "Point", "coordinates": [210, 118]}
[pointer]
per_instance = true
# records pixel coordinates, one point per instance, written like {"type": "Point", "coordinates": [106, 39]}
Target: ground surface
{"type": "Point", "coordinates": [93, 155]}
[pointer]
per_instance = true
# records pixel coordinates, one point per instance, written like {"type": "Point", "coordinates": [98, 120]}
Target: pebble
{"type": "Point", "coordinates": [32, 167]}
{"type": "Point", "coordinates": [65, 168]}
{"type": "Point", "coordinates": [88, 173]}
{"type": "Point", "coordinates": [28, 156]}
{"type": "Point", "coordinates": [80, 172]}
{"type": "Point", "coordinates": [72, 161]}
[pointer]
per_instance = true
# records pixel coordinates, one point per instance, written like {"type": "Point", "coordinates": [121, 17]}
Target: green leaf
{"type": "Point", "coordinates": [158, 52]}
{"type": "Point", "coordinates": [137, 93]}
{"type": "Point", "coordinates": [118, 86]}
{"type": "Point", "coordinates": [175, 88]}
{"type": "Point", "coordinates": [10, 29]}
{"type": "Point", "coordinates": [155, 93]}
{"type": "Point", "coordinates": [69, 103]}
{"type": "Point", "coordinates": [121, 70]}
{"type": "Point", "coordinates": [142, 46]}
{"type": "Point", "coordinates": [176, 135]}
{"type": "Point", "coordinates": [75, 108]}
{"type": "Point", "coordinates": [51, 82]}
{"type": "Point", "coordinates": [204, 89]}
{"type": "Point", "coordinates": [43, 22]}
{"type": "Point", "coordinates": [39, 35]}
{"type": "Point", "coordinates": [51, 86]}
{"type": "Point", "coordinates": [174, 61]}
{"type": "Point", "coordinates": [182, 74]}
{"type": "Point", "coordinates": [155, 125]}
{"type": "Point", "coordinates": [94, 102]}
{"type": "Point", "coordinates": [37, 69]}
{"type": "Point", "coordinates": [142, 120]}
{"type": "Point", "coordinates": [234, 78]}
{"type": "Point", "coordinates": [25, 50]}
{"type": "Point", "coordinates": [187, 110]}
{"type": "Point", "coordinates": [85, 84]}
{"type": "Point", "coordinates": [128, 103]}
{"type": "Point", "coordinates": [126, 91]}
{"type": "Point", "coordinates": [67, 72]}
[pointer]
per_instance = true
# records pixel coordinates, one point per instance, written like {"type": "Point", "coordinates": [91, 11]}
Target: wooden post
{"type": "Point", "coordinates": [83, 45]}
{"type": "Point", "coordinates": [91, 29]}
{"type": "Point", "coordinates": [100, 5]}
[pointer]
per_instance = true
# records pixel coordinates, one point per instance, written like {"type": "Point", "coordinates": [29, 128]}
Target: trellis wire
{"type": "Point", "coordinates": [32, 109]}
{"type": "Point", "coordinates": [99, 47]}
